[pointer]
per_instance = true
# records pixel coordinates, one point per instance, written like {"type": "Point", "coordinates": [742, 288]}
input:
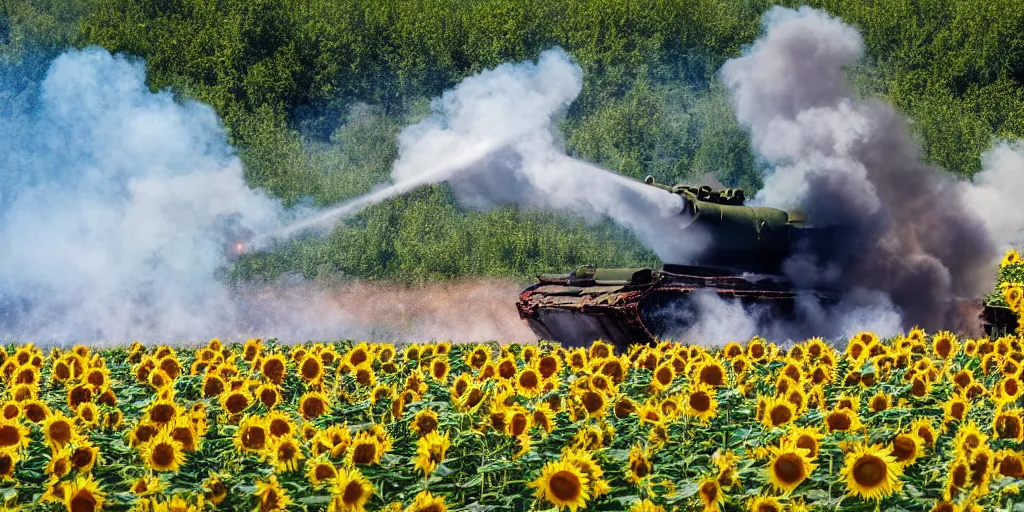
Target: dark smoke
{"type": "Point", "coordinates": [851, 162]}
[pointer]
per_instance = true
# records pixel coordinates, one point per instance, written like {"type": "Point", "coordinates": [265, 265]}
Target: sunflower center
{"type": "Point", "coordinates": [163, 455]}
{"type": "Point", "coordinates": [700, 401]}
{"type": "Point", "coordinates": [957, 410]}
{"type": "Point", "coordinates": [878, 404]}
{"type": "Point", "coordinates": [312, 407]}
{"type": "Point", "coordinates": [213, 387]}
{"type": "Point", "coordinates": [709, 491]}
{"type": "Point", "coordinates": [83, 502]}
{"type": "Point", "coordinates": [839, 421]}
{"type": "Point", "coordinates": [808, 443]}
{"type": "Point", "coordinates": [254, 438]}
{"type": "Point", "coordinates": [528, 380]}
{"type": "Point", "coordinates": [641, 469]}
{"type": "Point", "coordinates": [565, 486]}
{"type": "Point", "coordinates": [547, 366]}
{"type": "Point", "coordinates": [440, 370]}
{"type": "Point", "coordinates": [353, 492]}
{"type": "Point", "coordinates": [310, 369]}
{"type": "Point", "coordinates": [1012, 467]}
{"type": "Point", "coordinates": [324, 471]}
{"type": "Point", "coordinates": [959, 476]}
{"type": "Point", "coordinates": [236, 403]}
{"type": "Point", "coordinates": [518, 424]}
{"type": "Point", "coordinates": [869, 471]}
{"type": "Point", "coordinates": [712, 375]}
{"type": "Point", "coordinates": [286, 451]}
{"type": "Point", "coordinates": [789, 468]}
{"type": "Point", "coordinates": [904, 448]}
{"type": "Point", "coordinates": [279, 427]}
{"type": "Point", "coordinates": [780, 415]}
{"type": "Point", "coordinates": [364, 453]}
{"type": "Point", "coordinates": [593, 401]}
{"type": "Point", "coordinates": [274, 369]}
{"type": "Point", "coordinates": [82, 458]}
{"type": "Point", "coordinates": [60, 432]}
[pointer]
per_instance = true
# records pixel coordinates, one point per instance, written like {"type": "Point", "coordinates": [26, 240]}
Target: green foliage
{"type": "Point", "coordinates": [315, 92]}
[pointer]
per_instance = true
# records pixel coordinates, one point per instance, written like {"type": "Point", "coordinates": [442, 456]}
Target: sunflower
{"type": "Point", "coordinates": [439, 369]}
{"type": "Point", "coordinates": [365, 449]}
{"type": "Point", "coordinates": [426, 502]}
{"type": "Point", "coordinates": [518, 421]}
{"type": "Point", "coordinates": [843, 420]}
{"type": "Point", "coordinates": [320, 470]}
{"type": "Point", "coordinates": [58, 429]}
{"type": "Point", "coordinates": [549, 365]}
{"type": "Point", "coordinates": [1007, 424]}
{"type": "Point", "coordinates": [1010, 463]}
{"type": "Point", "coordinates": [871, 472]}
{"type": "Point", "coordinates": [253, 435]}
{"type": "Point", "coordinates": [1012, 257]}
{"type": "Point", "coordinates": [60, 463]}
{"type": "Point", "coordinates": [955, 408]}
{"type": "Point", "coordinates": [83, 455]}
{"type": "Point", "coordinates": [765, 504]}
{"type": "Point", "coordinates": [969, 438]}
{"type": "Point", "coordinates": [528, 382]}
{"type": "Point", "coordinates": [662, 377]}
{"type": "Point", "coordinates": [274, 368]}
{"type": "Point", "coordinates": [906, 448]}
{"type": "Point", "coordinates": [313, 404]}
{"type": "Point", "coordinates": [543, 417]}
{"type": "Point", "coordinates": [880, 402]}
{"type": "Point", "coordinates": [88, 414]}
{"type": "Point", "coordinates": [1009, 389]}
{"type": "Point", "coordinates": [562, 484]}
{"type": "Point", "coordinates": [286, 454]}
{"type": "Point", "coordinates": [640, 465]}
{"type": "Point", "coordinates": [271, 495]}
{"type": "Point", "coordinates": [184, 432]}
{"type": "Point", "coordinates": [311, 368]}
{"type": "Point", "coordinates": [981, 469]}
{"type": "Point", "coordinates": [147, 485]}
{"type": "Point", "coordinates": [789, 465]}
{"type": "Point", "coordinates": [958, 476]}
{"type": "Point", "coordinates": [364, 375]}
{"type": "Point", "coordinates": [430, 452]}
{"type": "Point", "coordinates": [944, 344]}
{"type": "Point", "coordinates": [711, 493]}
{"type": "Point", "coordinates": [711, 372]}
{"type": "Point", "coordinates": [778, 412]}
{"type": "Point", "coordinates": [163, 452]}
{"type": "Point", "coordinates": [701, 403]}
{"type": "Point", "coordinates": [8, 460]}
{"type": "Point", "coordinates": [83, 494]}
{"type": "Point", "coordinates": [162, 412]}
{"type": "Point", "coordinates": [350, 492]}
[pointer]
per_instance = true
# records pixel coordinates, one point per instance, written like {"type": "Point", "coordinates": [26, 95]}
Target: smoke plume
{"type": "Point", "coordinates": [910, 229]}
{"type": "Point", "coordinates": [116, 208]}
{"type": "Point", "coordinates": [492, 138]}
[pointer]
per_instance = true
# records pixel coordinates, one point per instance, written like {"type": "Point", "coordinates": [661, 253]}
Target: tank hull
{"type": "Point", "coordinates": [998, 321]}
{"type": "Point", "coordinates": [647, 305]}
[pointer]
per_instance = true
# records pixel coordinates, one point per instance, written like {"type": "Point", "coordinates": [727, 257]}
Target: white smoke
{"type": "Point", "coordinates": [996, 192]}
{"type": "Point", "coordinates": [117, 205]}
{"type": "Point", "coordinates": [492, 137]}
{"type": "Point", "coordinates": [117, 209]}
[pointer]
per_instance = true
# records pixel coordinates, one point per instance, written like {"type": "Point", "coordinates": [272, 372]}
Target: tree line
{"type": "Point", "coordinates": [313, 94]}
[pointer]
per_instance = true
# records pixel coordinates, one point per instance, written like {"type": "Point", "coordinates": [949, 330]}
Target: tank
{"type": "Point", "coordinates": [625, 306]}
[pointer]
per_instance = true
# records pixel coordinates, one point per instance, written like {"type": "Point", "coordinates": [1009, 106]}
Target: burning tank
{"type": "Point", "coordinates": [626, 306]}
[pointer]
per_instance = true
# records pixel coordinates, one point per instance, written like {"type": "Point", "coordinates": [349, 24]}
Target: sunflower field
{"type": "Point", "coordinates": [913, 423]}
